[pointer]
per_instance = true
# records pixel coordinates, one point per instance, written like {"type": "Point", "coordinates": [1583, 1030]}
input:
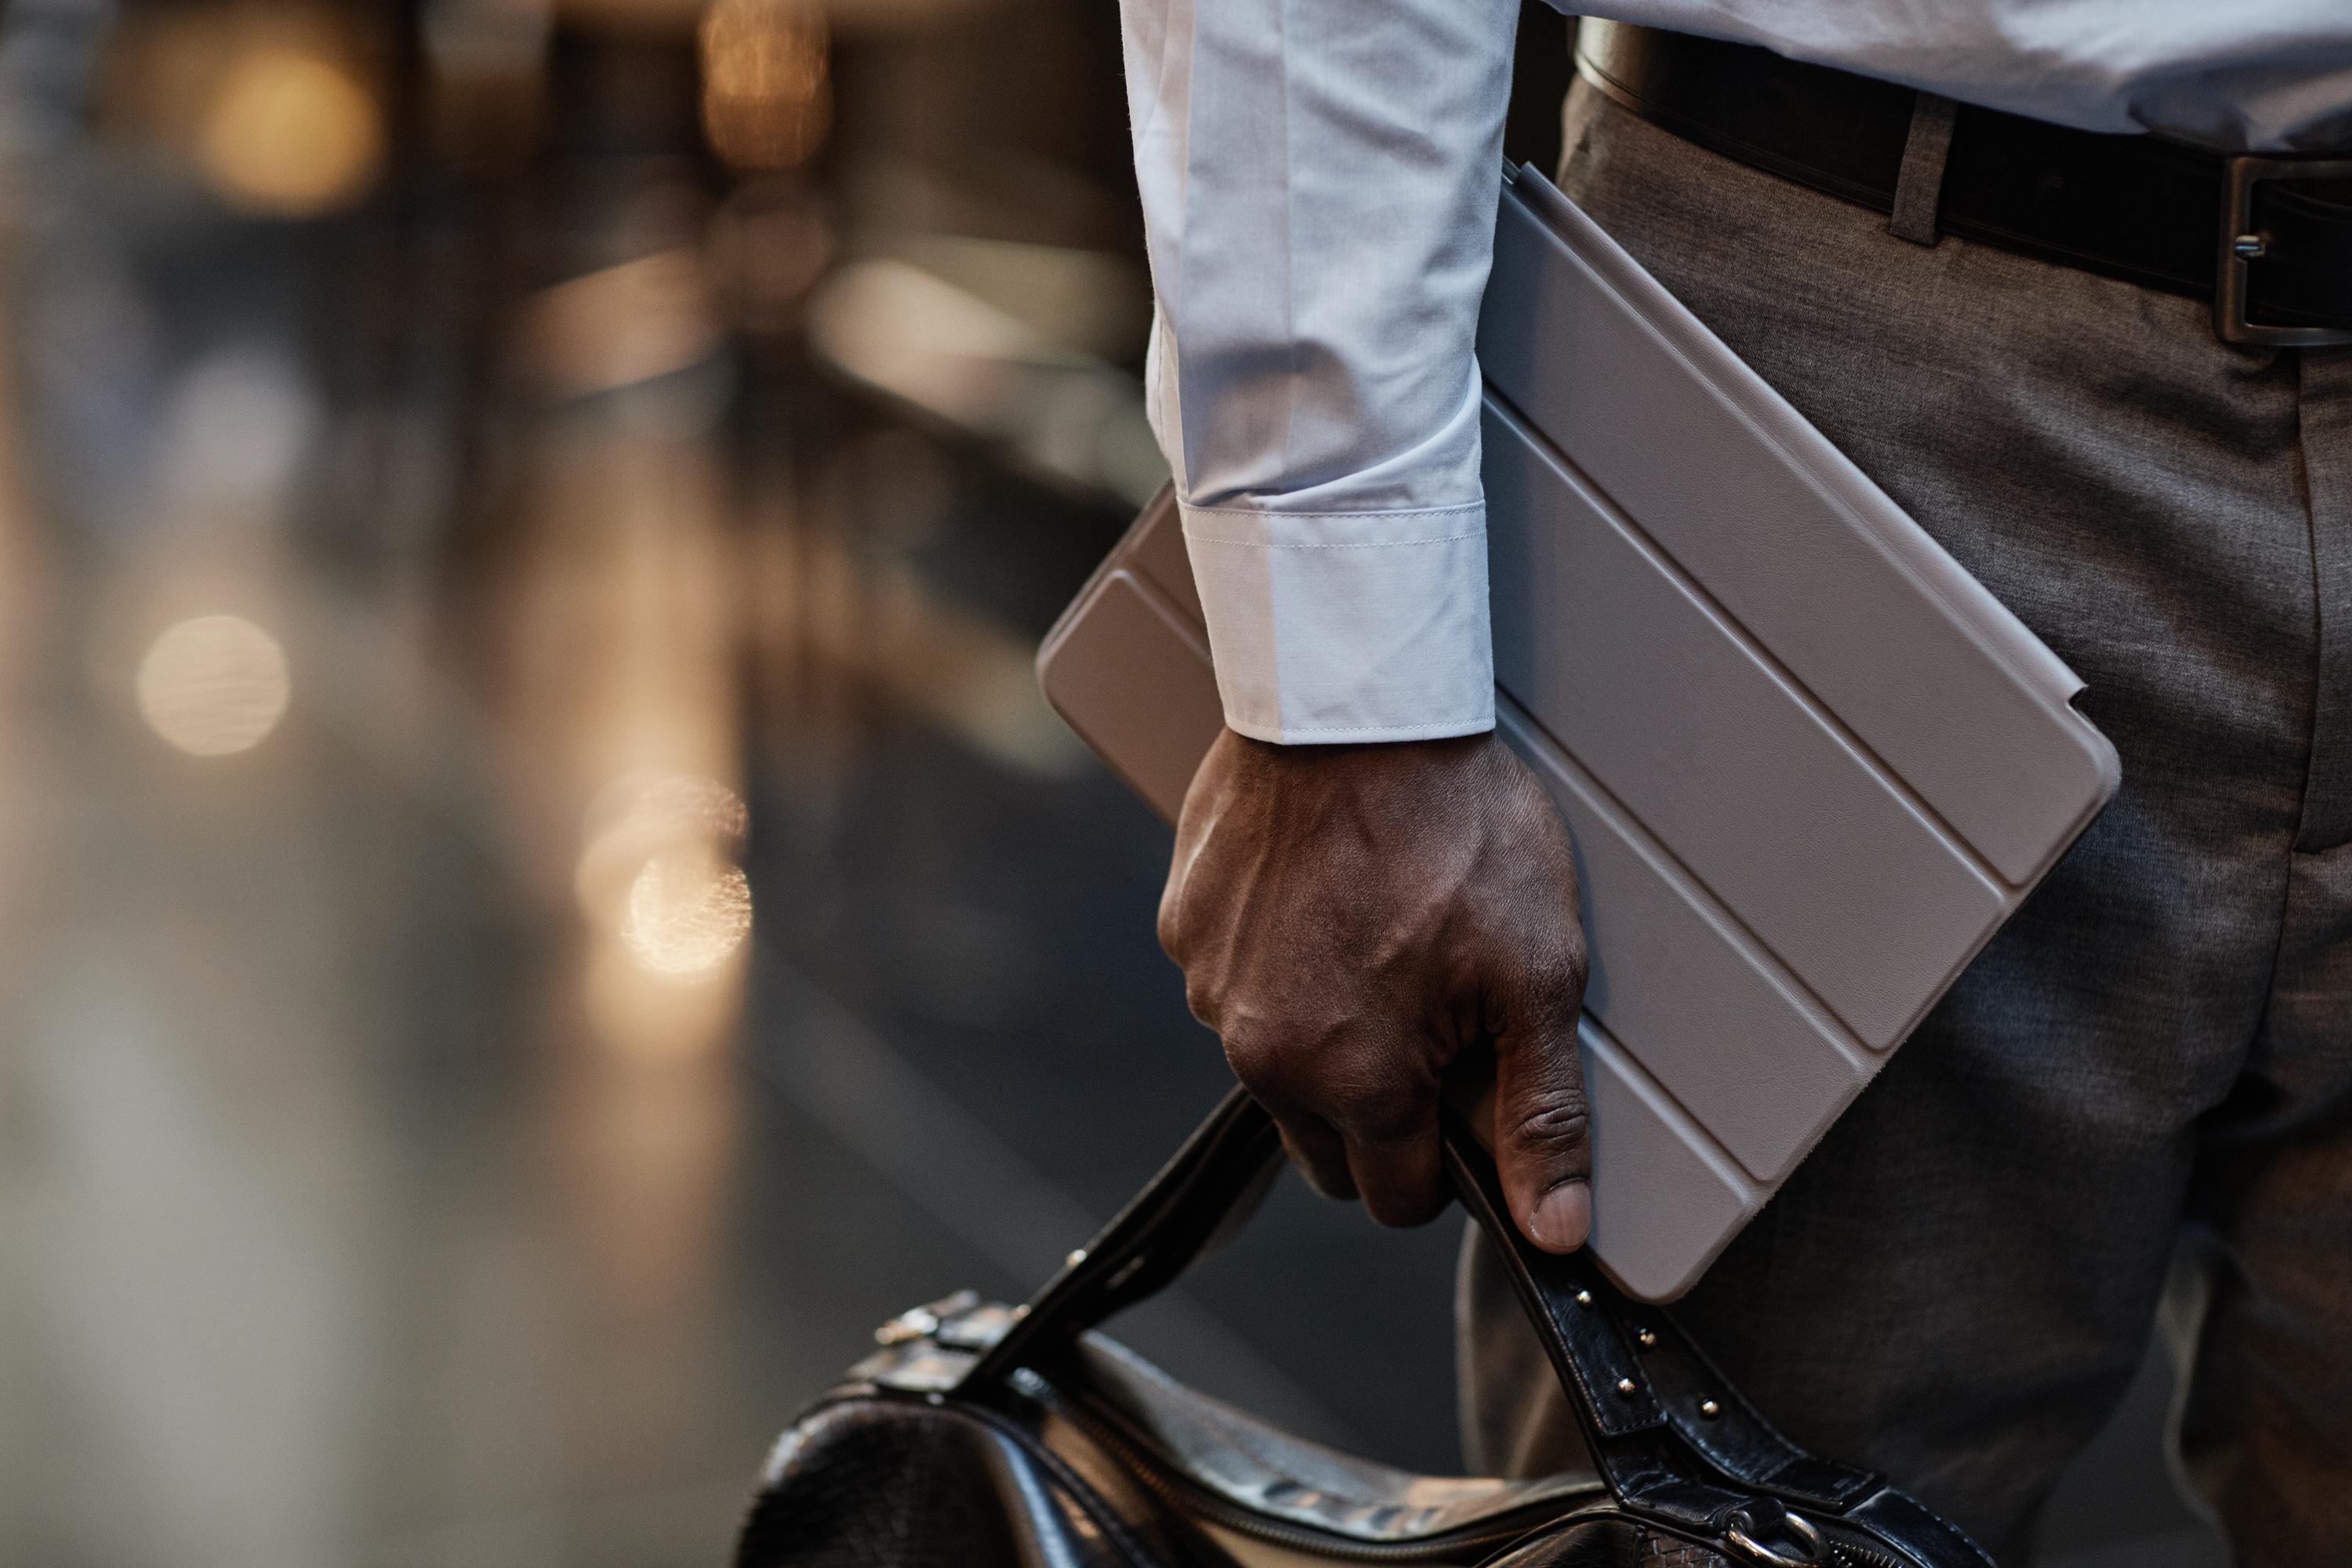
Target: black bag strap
{"type": "Point", "coordinates": [1669, 1433]}
{"type": "Point", "coordinates": [1149, 1243]}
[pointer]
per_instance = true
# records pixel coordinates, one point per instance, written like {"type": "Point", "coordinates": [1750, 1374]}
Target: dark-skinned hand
{"type": "Point", "coordinates": [1357, 923]}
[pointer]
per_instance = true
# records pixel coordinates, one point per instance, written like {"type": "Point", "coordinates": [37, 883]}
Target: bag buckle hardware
{"type": "Point", "coordinates": [2242, 245]}
{"type": "Point", "coordinates": [1736, 1533]}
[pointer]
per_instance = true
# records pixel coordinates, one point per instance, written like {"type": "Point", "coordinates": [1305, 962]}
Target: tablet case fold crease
{"type": "Point", "coordinates": [1810, 765]}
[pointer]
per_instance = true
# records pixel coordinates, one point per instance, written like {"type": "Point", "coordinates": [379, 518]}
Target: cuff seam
{"type": "Point", "coordinates": [1340, 544]}
{"type": "Point", "coordinates": [1433, 730]}
{"type": "Point", "coordinates": [1191, 510]}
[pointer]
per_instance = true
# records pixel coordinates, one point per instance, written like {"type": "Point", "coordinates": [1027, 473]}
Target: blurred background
{"type": "Point", "coordinates": [540, 900]}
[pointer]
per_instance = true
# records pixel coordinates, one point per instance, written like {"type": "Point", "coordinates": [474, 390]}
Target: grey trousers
{"type": "Point", "coordinates": [1957, 1284]}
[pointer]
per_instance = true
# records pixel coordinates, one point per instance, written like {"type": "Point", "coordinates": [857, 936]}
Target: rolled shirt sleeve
{"type": "Point", "coordinates": [1319, 180]}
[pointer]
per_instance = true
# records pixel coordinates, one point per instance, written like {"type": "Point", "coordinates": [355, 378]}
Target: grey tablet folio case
{"type": "Point", "coordinates": [1810, 765]}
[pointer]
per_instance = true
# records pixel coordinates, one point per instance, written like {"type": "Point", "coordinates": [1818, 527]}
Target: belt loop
{"type": "Point", "coordinates": [1920, 184]}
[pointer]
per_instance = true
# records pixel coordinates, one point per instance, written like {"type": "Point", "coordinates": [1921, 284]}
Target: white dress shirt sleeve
{"type": "Point", "coordinates": [1319, 180]}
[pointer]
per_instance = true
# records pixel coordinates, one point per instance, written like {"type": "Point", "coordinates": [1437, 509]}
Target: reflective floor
{"type": "Point", "coordinates": [482, 1054]}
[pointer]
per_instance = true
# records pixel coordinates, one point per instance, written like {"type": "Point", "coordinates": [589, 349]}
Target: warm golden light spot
{"type": "Point", "coordinates": [659, 872]}
{"type": "Point", "coordinates": [689, 911]}
{"type": "Point", "coordinates": [290, 135]}
{"type": "Point", "coordinates": [654, 1018]}
{"type": "Point", "coordinates": [690, 806]}
{"type": "Point", "coordinates": [767, 100]}
{"type": "Point", "coordinates": [642, 816]}
{"type": "Point", "coordinates": [214, 686]}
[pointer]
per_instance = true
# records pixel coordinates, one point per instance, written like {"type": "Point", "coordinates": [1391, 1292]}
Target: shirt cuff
{"type": "Point", "coordinates": [1346, 626]}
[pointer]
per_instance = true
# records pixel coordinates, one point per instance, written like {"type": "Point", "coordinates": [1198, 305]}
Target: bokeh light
{"type": "Point", "coordinates": [689, 911]}
{"type": "Point", "coordinates": [767, 98]}
{"type": "Point", "coordinates": [290, 134]}
{"type": "Point", "coordinates": [214, 686]}
{"type": "Point", "coordinates": [653, 1019]}
{"type": "Point", "coordinates": [659, 872]}
{"type": "Point", "coordinates": [621, 325]}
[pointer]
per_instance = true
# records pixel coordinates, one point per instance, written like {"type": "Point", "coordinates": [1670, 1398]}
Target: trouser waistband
{"type": "Point", "coordinates": [2267, 239]}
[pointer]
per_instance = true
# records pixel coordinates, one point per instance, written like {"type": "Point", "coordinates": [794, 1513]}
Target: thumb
{"type": "Point", "coordinates": [1543, 1143]}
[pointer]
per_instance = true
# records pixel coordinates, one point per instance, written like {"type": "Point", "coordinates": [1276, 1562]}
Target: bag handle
{"type": "Point", "coordinates": [1151, 1242]}
{"type": "Point", "coordinates": [1668, 1432]}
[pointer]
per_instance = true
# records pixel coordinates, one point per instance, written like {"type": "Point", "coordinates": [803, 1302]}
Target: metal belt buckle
{"type": "Point", "coordinates": [2243, 244]}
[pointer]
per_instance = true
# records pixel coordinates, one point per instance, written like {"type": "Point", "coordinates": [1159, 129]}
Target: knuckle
{"type": "Point", "coordinates": [1558, 1005]}
{"type": "Point", "coordinates": [1169, 926]}
{"type": "Point", "coordinates": [1201, 997]}
{"type": "Point", "coordinates": [1573, 964]}
{"type": "Point", "coordinates": [1251, 1062]}
{"type": "Point", "coordinates": [1558, 1122]}
{"type": "Point", "coordinates": [1264, 1057]}
{"type": "Point", "coordinates": [1554, 977]}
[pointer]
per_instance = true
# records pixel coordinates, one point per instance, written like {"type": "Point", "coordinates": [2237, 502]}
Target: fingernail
{"type": "Point", "coordinates": [1563, 1217]}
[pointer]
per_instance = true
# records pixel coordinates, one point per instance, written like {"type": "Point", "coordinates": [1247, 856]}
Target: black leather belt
{"type": "Point", "coordinates": [2267, 239]}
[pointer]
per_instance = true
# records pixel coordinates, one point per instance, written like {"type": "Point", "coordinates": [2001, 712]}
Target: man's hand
{"type": "Point", "coordinates": [1354, 920]}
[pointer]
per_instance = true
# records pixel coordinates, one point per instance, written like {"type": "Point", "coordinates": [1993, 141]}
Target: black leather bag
{"type": "Point", "coordinates": [986, 1436]}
